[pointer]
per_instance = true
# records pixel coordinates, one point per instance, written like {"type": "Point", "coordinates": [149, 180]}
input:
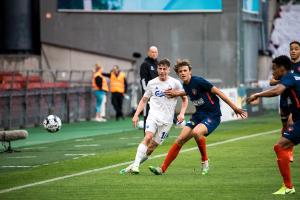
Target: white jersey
{"type": "Point", "coordinates": [162, 108]}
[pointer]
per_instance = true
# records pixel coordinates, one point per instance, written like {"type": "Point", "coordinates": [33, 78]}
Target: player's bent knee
{"type": "Point", "coordinates": [198, 134]}
{"type": "Point", "coordinates": [195, 133]}
{"type": "Point", "coordinates": [180, 141]}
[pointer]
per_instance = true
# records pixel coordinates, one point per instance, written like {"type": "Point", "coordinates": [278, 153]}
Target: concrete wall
{"type": "Point", "coordinates": [19, 62]}
{"type": "Point", "coordinates": [209, 40]}
{"type": "Point", "coordinates": [65, 59]}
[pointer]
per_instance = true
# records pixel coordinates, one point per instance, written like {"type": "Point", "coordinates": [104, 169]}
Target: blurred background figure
{"type": "Point", "coordinates": [148, 71]}
{"type": "Point", "coordinates": [100, 88]}
{"type": "Point", "coordinates": [118, 88]}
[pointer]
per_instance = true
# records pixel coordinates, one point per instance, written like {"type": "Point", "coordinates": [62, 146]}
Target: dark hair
{"type": "Point", "coordinates": [283, 61]}
{"type": "Point", "coordinates": [165, 61]}
{"type": "Point", "coordinates": [295, 42]}
{"type": "Point", "coordinates": [182, 62]}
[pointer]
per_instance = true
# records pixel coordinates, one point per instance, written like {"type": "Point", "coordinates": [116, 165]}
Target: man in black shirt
{"type": "Point", "coordinates": [148, 71]}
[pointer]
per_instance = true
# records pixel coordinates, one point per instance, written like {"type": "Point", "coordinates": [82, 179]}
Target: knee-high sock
{"type": "Point", "coordinates": [283, 161]}
{"type": "Point", "coordinates": [291, 153]}
{"type": "Point", "coordinates": [144, 159]}
{"type": "Point", "coordinates": [202, 148]}
{"type": "Point", "coordinates": [140, 153]}
{"type": "Point", "coordinates": [172, 154]}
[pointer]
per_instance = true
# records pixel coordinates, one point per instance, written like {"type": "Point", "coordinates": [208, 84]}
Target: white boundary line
{"type": "Point", "coordinates": [129, 162]}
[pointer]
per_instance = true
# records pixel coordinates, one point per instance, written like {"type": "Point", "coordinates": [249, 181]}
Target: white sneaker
{"type": "Point", "coordinates": [135, 169]}
{"type": "Point", "coordinates": [156, 170]}
{"type": "Point", "coordinates": [99, 119]}
{"type": "Point", "coordinates": [126, 170]}
{"type": "Point", "coordinates": [284, 190]}
{"type": "Point", "coordinates": [205, 167]}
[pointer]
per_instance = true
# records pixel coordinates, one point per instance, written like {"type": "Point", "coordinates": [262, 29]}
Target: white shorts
{"type": "Point", "coordinates": [160, 131]}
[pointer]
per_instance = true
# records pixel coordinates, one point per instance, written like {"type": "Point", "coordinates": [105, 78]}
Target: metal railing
{"type": "Point", "coordinates": [67, 94]}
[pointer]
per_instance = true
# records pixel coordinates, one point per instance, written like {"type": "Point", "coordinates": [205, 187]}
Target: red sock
{"type": "Point", "coordinates": [283, 161]}
{"type": "Point", "coordinates": [202, 148]}
{"type": "Point", "coordinates": [172, 154]}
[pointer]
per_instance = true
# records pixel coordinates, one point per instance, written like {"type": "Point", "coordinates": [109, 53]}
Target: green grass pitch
{"type": "Point", "coordinates": [83, 161]}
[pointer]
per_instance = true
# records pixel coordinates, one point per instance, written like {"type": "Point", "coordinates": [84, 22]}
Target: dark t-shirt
{"type": "Point", "coordinates": [292, 83]}
{"type": "Point", "coordinates": [148, 71]}
{"type": "Point", "coordinates": [199, 92]}
{"type": "Point", "coordinates": [296, 67]}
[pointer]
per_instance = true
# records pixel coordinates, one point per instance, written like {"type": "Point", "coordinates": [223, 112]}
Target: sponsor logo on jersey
{"type": "Point", "coordinates": [159, 93]}
{"type": "Point", "coordinates": [198, 102]}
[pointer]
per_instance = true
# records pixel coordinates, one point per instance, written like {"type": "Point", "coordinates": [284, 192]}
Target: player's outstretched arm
{"type": "Point", "coordinates": [277, 90]}
{"type": "Point", "coordinates": [174, 93]}
{"type": "Point", "coordinates": [139, 109]}
{"type": "Point", "coordinates": [184, 105]}
{"type": "Point", "coordinates": [237, 110]}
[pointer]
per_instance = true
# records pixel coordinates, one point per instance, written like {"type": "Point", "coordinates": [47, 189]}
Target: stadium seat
{"type": "Point", "coordinates": [26, 82]}
{"type": "Point", "coordinates": [10, 86]}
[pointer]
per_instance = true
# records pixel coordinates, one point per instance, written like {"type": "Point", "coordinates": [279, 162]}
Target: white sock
{"type": "Point", "coordinates": [144, 159]}
{"type": "Point", "coordinates": [140, 153]}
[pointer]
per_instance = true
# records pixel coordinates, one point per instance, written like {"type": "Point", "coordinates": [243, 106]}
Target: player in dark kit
{"type": "Point", "coordinates": [295, 56]}
{"type": "Point", "coordinates": [285, 113]}
{"type": "Point", "coordinates": [290, 84]}
{"type": "Point", "coordinates": [207, 116]}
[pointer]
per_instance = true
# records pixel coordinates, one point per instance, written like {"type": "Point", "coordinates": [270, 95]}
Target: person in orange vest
{"type": "Point", "coordinates": [100, 88]}
{"type": "Point", "coordinates": [118, 88]}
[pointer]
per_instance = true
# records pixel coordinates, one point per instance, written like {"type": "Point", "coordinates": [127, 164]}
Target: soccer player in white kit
{"type": "Point", "coordinates": [160, 118]}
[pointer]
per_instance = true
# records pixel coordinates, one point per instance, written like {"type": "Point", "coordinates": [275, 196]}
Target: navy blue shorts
{"type": "Point", "coordinates": [293, 133]}
{"type": "Point", "coordinates": [211, 122]}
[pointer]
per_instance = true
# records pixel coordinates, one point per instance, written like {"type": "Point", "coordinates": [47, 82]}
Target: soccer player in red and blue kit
{"type": "Point", "coordinates": [207, 116]}
{"type": "Point", "coordinates": [285, 113]}
{"type": "Point", "coordinates": [295, 56]}
{"type": "Point", "coordinates": [290, 84]}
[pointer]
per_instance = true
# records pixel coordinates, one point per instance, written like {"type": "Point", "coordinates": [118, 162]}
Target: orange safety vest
{"type": "Point", "coordinates": [104, 83]}
{"type": "Point", "coordinates": [117, 83]}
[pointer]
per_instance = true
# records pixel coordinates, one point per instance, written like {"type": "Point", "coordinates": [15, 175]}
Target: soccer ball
{"type": "Point", "coordinates": [52, 123]}
{"type": "Point", "coordinates": [140, 124]}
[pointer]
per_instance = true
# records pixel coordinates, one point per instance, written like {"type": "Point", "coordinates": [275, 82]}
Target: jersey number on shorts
{"type": "Point", "coordinates": [164, 135]}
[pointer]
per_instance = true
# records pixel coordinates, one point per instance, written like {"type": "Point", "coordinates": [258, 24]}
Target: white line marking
{"type": "Point", "coordinates": [17, 157]}
{"type": "Point", "coordinates": [136, 137]}
{"type": "Point", "coordinates": [124, 138]}
{"type": "Point", "coordinates": [131, 144]}
{"type": "Point", "coordinates": [30, 148]}
{"type": "Point", "coordinates": [126, 163]}
{"type": "Point", "coordinates": [37, 142]}
{"type": "Point", "coordinates": [80, 154]}
{"type": "Point", "coordinates": [84, 139]}
{"type": "Point", "coordinates": [19, 166]}
{"type": "Point", "coordinates": [87, 145]}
